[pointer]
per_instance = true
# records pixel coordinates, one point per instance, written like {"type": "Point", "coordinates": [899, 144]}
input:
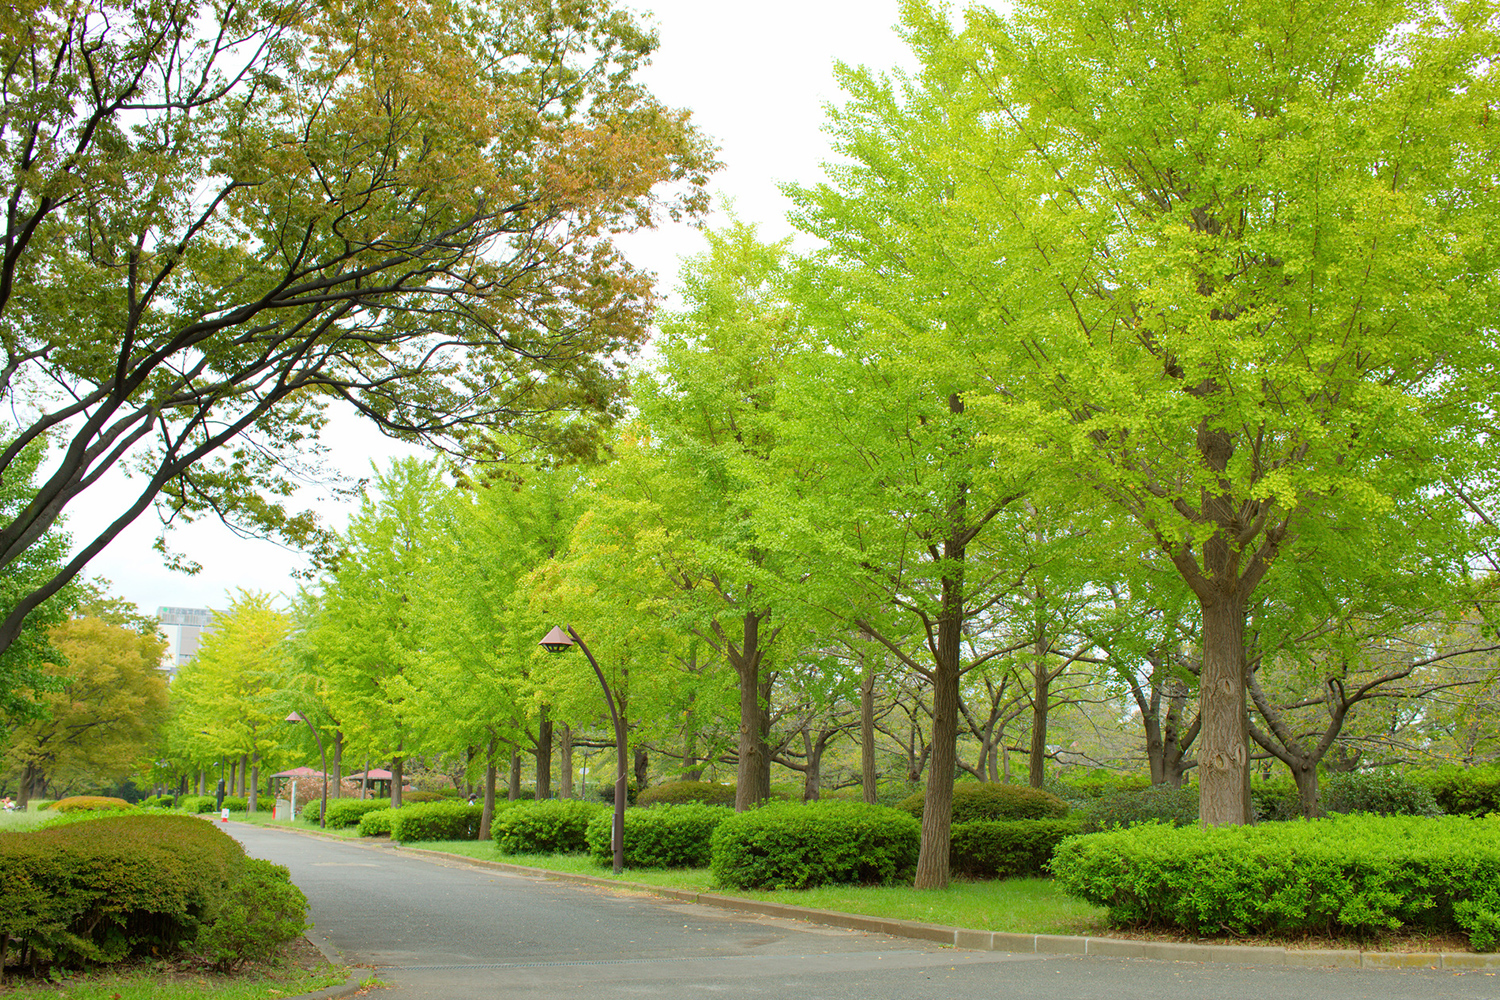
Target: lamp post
{"type": "Point", "coordinates": [556, 641]}
{"type": "Point", "coordinates": [322, 762]}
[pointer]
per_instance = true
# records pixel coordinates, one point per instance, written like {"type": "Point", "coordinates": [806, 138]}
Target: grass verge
{"type": "Point", "coordinates": [1017, 906]}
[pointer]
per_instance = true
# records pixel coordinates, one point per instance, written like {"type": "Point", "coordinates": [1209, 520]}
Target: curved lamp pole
{"type": "Point", "coordinates": [323, 762]}
{"type": "Point", "coordinates": [556, 641]}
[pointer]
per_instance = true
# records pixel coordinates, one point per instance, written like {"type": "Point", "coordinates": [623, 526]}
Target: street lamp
{"type": "Point", "coordinates": [556, 641]}
{"type": "Point", "coordinates": [322, 761]}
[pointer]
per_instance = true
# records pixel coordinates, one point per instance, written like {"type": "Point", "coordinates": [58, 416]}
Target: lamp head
{"type": "Point", "coordinates": [295, 717]}
{"type": "Point", "coordinates": [556, 641]}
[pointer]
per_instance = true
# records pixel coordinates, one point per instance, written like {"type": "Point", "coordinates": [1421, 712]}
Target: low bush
{"type": "Point", "coordinates": [973, 800]}
{"type": "Point", "coordinates": [1352, 875]}
{"type": "Point", "coordinates": [235, 804]}
{"type": "Point", "coordinates": [1384, 793]}
{"type": "Point", "coordinates": [1161, 804]}
{"type": "Point", "coordinates": [196, 803]}
{"type": "Point", "coordinates": [664, 836]}
{"type": "Point", "coordinates": [797, 846]}
{"type": "Point", "coordinates": [1275, 801]}
{"type": "Point", "coordinates": [607, 793]}
{"type": "Point", "coordinates": [158, 801]}
{"type": "Point", "coordinates": [91, 803]}
{"type": "Point", "coordinates": [344, 813]}
{"type": "Point", "coordinates": [103, 890]}
{"type": "Point", "coordinates": [261, 911]}
{"type": "Point", "coordinates": [706, 793]}
{"type": "Point", "coordinates": [989, 848]}
{"type": "Point", "coordinates": [376, 822]}
{"type": "Point", "coordinates": [438, 820]}
{"type": "Point", "coordinates": [1085, 786]}
{"type": "Point", "coordinates": [1472, 791]}
{"type": "Point", "coordinates": [551, 826]}
{"type": "Point", "coordinates": [411, 798]}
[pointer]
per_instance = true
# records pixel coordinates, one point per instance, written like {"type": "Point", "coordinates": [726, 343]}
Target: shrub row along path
{"type": "Point", "coordinates": [452, 930]}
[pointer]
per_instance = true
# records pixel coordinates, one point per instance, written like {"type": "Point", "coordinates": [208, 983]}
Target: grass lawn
{"type": "Point", "coordinates": [303, 971]}
{"type": "Point", "coordinates": [1017, 905]}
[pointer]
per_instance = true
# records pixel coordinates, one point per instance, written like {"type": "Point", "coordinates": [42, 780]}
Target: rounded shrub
{"type": "Point", "coordinates": [1161, 804]}
{"type": "Point", "coordinates": [551, 826]}
{"type": "Point", "coordinates": [91, 803]}
{"type": "Point", "coordinates": [158, 802]}
{"type": "Point", "coordinates": [436, 821]}
{"type": "Point", "coordinates": [420, 796]}
{"type": "Point", "coordinates": [261, 911]}
{"type": "Point", "coordinates": [235, 804]}
{"type": "Point", "coordinates": [786, 845]}
{"type": "Point", "coordinates": [344, 813]}
{"type": "Point", "coordinates": [1470, 791]}
{"type": "Point", "coordinates": [664, 836]}
{"type": "Point", "coordinates": [196, 803]}
{"type": "Point", "coordinates": [1384, 793]}
{"type": "Point", "coordinates": [376, 823]}
{"type": "Point", "coordinates": [706, 793]}
{"type": "Point", "coordinates": [973, 800]}
{"type": "Point", "coordinates": [1276, 800]}
{"type": "Point", "coordinates": [998, 848]}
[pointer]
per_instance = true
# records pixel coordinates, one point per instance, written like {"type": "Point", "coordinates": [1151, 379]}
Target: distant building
{"type": "Point", "coordinates": [185, 628]}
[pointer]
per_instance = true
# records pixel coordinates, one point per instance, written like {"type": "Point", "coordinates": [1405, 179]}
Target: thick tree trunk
{"type": "Point", "coordinates": [252, 803]}
{"type": "Point", "coordinates": [202, 781]}
{"type": "Point", "coordinates": [937, 805]}
{"type": "Point", "coordinates": [513, 788]}
{"type": "Point", "coordinates": [754, 767]}
{"type": "Point", "coordinates": [867, 776]}
{"type": "Point", "coordinates": [544, 756]}
{"type": "Point", "coordinates": [1224, 752]}
{"type": "Point", "coordinates": [337, 791]}
{"type": "Point", "coordinates": [566, 739]}
{"type": "Point", "coordinates": [233, 777]}
{"type": "Point", "coordinates": [397, 780]}
{"type": "Point", "coordinates": [812, 774]}
{"type": "Point", "coordinates": [1041, 694]}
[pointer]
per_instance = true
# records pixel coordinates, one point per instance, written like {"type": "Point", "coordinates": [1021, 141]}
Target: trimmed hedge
{"type": "Point", "coordinates": [103, 890]}
{"type": "Point", "coordinates": [973, 801]}
{"type": "Point", "coordinates": [1088, 785]}
{"type": "Point", "coordinates": [196, 803]}
{"type": "Point", "coordinates": [706, 793]}
{"type": "Point", "coordinates": [344, 813]}
{"type": "Point", "coordinates": [92, 803]}
{"type": "Point", "coordinates": [158, 801]}
{"type": "Point", "coordinates": [663, 836]}
{"type": "Point", "coordinates": [377, 822]}
{"type": "Point", "coordinates": [1384, 793]}
{"type": "Point", "coordinates": [1275, 801]}
{"type": "Point", "coordinates": [262, 911]}
{"type": "Point", "coordinates": [1161, 804]}
{"type": "Point", "coordinates": [786, 845]}
{"type": "Point", "coordinates": [1473, 791]}
{"type": "Point", "coordinates": [438, 820]}
{"type": "Point", "coordinates": [415, 797]}
{"type": "Point", "coordinates": [1345, 874]}
{"type": "Point", "coordinates": [551, 826]}
{"type": "Point", "coordinates": [989, 848]}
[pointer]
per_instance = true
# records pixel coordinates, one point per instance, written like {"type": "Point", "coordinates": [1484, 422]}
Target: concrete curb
{"type": "Point", "coordinates": [1031, 944]}
{"type": "Point", "coordinates": [351, 985]}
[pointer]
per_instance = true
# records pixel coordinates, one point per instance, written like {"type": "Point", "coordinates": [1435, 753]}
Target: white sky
{"type": "Point", "coordinates": [756, 77]}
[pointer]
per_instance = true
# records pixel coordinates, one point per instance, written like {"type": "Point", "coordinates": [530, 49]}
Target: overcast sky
{"type": "Point", "coordinates": [756, 77]}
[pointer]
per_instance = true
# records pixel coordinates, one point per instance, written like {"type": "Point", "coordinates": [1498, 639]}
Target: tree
{"type": "Point", "coordinates": [24, 675]}
{"type": "Point", "coordinates": [222, 218]}
{"type": "Point", "coordinates": [105, 713]}
{"type": "Point", "coordinates": [1236, 267]}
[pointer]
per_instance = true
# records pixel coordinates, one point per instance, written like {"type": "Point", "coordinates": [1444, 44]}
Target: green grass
{"type": "Point", "coordinates": [260, 983]}
{"type": "Point", "coordinates": [1017, 905]}
{"type": "Point", "coordinates": [29, 820]}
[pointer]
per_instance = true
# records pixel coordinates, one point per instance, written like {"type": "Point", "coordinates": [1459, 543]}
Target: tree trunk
{"type": "Point", "coordinates": [1224, 754]}
{"type": "Point", "coordinates": [752, 772]}
{"type": "Point", "coordinates": [544, 756]}
{"type": "Point", "coordinates": [488, 814]}
{"type": "Point", "coordinates": [937, 805]}
{"type": "Point", "coordinates": [364, 781]}
{"type": "Point", "coordinates": [337, 791]}
{"type": "Point", "coordinates": [566, 739]}
{"type": "Point", "coordinates": [1040, 698]}
{"type": "Point", "coordinates": [233, 776]}
{"type": "Point", "coordinates": [642, 768]}
{"type": "Point", "coordinates": [867, 777]}
{"type": "Point", "coordinates": [252, 803]}
{"type": "Point", "coordinates": [812, 774]}
{"type": "Point", "coordinates": [397, 763]}
{"type": "Point", "coordinates": [692, 769]}
{"type": "Point", "coordinates": [513, 791]}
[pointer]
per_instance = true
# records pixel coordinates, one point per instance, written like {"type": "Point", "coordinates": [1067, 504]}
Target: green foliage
{"type": "Point", "coordinates": [552, 826]}
{"type": "Point", "coordinates": [1079, 785]}
{"type": "Point", "coordinates": [1384, 793]}
{"type": "Point", "coordinates": [344, 813]}
{"type": "Point", "coordinates": [677, 792]}
{"type": "Point", "coordinates": [261, 911]}
{"type": "Point", "coordinates": [1343, 875]}
{"type": "Point", "coordinates": [196, 803]}
{"type": "Point", "coordinates": [797, 846]}
{"type": "Point", "coordinates": [974, 800]}
{"type": "Point", "coordinates": [1275, 801]}
{"type": "Point", "coordinates": [108, 888]}
{"type": "Point", "coordinates": [607, 792]}
{"type": "Point", "coordinates": [377, 822]}
{"type": "Point", "coordinates": [87, 803]}
{"type": "Point", "coordinates": [1471, 791]}
{"type": "Point", "coordinates": [988, 848]}
{"type": "Point", "coordinates": [234, 804]}
{"type": "Point", "coordinates": [158, 802]}
{"type": "Point", "coordinates": [1161, 804]}
{"type": "Point", "coordinates": [663, 836]}
{"type": "Point", "coordinates": [420, 796]}
{"type": "Point", "coordinates": [436, 820]}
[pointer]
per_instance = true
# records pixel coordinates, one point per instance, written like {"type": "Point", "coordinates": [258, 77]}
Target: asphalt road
{"type": "Point", "coordinates": [457, 931]}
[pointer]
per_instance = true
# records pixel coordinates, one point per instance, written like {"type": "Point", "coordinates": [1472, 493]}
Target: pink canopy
{"type": "Point", "coordinates": [375, 774]}
{"type": "Point", "coordinates": [299, 772]}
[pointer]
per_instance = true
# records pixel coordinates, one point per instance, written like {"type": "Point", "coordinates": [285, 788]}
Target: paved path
{"type": "Point", "coordinates": [456, 931]}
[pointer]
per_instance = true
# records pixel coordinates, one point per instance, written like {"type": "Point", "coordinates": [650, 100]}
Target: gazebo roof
{"type": "Point", "coordinates": [300, 772]}
{"type": "Point", "coordinates": [374, 774]}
